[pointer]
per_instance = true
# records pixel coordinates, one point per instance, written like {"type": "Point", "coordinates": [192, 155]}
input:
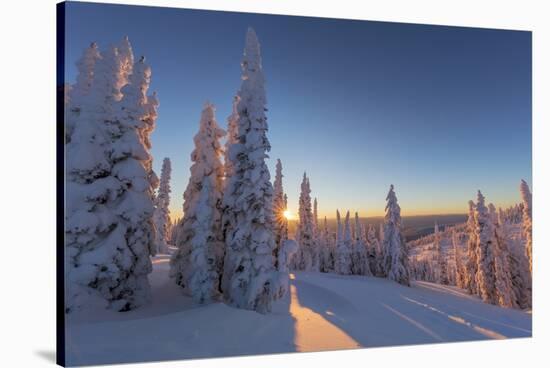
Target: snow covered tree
{"type": "Point", "coordinates": [484, 234]}
{"type": "Point", "coordinates": [441, 260]}
{"type": "Point", "coordinates": [109, 196]}
{"type": "Point", "coordinates": [470, 274]}
{"type": "Point", "coordinates": [359, 263]}
{"type": "Point", "coordinates": [77, 93]}
{"type": "Point", "coordinates": [305, 231]}
{"type": "Point", "coordinates": [161, 216]}
{"type": "Point", "coordinates": [504, 289]}
{"type": "Point", "coordinates": [395, 249]}
{"type": "Point", "coordinates": [326, 260]}
{"type": "Point", "coordinates": [229, 169]}
{"type": "Point", "coordinates": [126, 59]}
{"type": "Point", "coordinates": [518, 264]}
{"type": "Point", "coordinates": [279, 208]}
{"type": "Point", "coordinates": [374, 256]}
{"type": "Point", "coordinates": [251, 280]}
{"type": "Point", "coordinates": [197, 263]}
{"type": "Point", "coordinates": [344, 247]}
{"type": "Point", "coordinates": [457, 258]}
{"type": "Point", "coordinates": [527, 221]}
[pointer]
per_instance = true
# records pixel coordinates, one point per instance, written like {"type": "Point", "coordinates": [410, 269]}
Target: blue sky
{"type": "Point", "coordinates": [437, 111]}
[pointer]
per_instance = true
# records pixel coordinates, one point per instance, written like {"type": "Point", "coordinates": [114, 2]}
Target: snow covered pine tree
{"type": "Point", "coordinates": [161, 217]}
{"type": "Point", "coordinates": [395, 249]}
{"type": "Point", "coordinates": [484, 235]}
{"type": "Point", "coordinates": [109, 207]}
{"type": "Point", "coordinates": [527, 221]}
{"type": "Point", "coordinates": [279, 208]}
{"type": "Point", "coordinates": [252, 280]}
{"type": "Point", "coordinates": [305, 231]}
{"type": "Point", "coordinates": [197, 263]}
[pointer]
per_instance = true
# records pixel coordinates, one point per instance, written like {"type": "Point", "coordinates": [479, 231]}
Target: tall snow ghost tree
{"type": "Point", "coordinates": [373, 252]}
{"type": "Point", "coordinates": [229, 169]}
{"type": "Point", "coordinates": [457, 258]}
{"type": "Point", "coordinates": [344, 247]}
{"type": "Point", "coordinates": [197, 264]}
{"type": "Point", "coordinates": [161, 216]}
{"type": "Point", "coordinates": [305, 231]}
{"type": "Point", "coordinates": [527, 221]}
{"type": "Point", "coordinates": [484, 234]}
{"type": "Point", "coordinates": [396, 263]}
{"type": "Point", "coordinates": [109, 197]}
{"type": "Point", "coordinates": [252, 281]}
{"type": "Point", "coordinates": [279, 207]}
{"type": "Point", "coordinates": [470, 274]}
{"type": "Point", "coordinates": [359, 262]}
{"type": "Point", "coordinates": [504, 289]}
{"type": "Point", "coordinates": [441, 261]}
{"type": "Point", "coordinates": [77, 93]}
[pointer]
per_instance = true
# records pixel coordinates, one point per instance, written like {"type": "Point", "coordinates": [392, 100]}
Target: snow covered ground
{"type": "Point", "coordinates": [323, 312]}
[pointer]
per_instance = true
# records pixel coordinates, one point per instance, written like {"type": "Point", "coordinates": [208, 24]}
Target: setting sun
{"type": "Point", "coordinates": [288, 215]}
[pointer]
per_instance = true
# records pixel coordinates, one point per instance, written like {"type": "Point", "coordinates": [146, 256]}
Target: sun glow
{"type": "Point", "coordinates": [288, 215]}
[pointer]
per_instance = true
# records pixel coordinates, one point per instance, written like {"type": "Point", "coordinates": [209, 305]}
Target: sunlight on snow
{"type": "Point", "coordinates": [315, 333]}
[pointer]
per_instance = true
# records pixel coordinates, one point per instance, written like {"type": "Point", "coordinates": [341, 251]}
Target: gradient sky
{"type": "Point", "coordinates": [438, 111]}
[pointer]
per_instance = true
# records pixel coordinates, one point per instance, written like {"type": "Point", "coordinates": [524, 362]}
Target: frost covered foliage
{"type": "Point", "coordinates": [250, 278]}
{"type": "Point", "coordinates": [457, 260]}
{"type": "Point", "coordinates": [527, 221]}
{"type": "Point", "coordinates": [326, 249]}
{"type": "Point", "coordinates": [441, 260]}
{"type": "Point", "coordinates": [161, 216]}
{"type": "Point", "coordinates": [395, 250]}
{"type": "Point", "coordinates": [279, 207]}
{"type": "Point", "coordinates": [343, 247]}
{"type": "Point", "coordinates": [504, 289]}
{"type": "Point", "coordinates": [306, 256]}
{"type": "Point", "coordinates": [232, 138]}
{"type": "Point", "coordinates": [484, 235]}
{"type": "Point", "coordinates": [79, 90]}
{"type": "Point", "coordinates": [197, 263]}
{"type": "Point", "coordinates": [470, 281]}
{"type": "Point", "coordinates": [359, 262]}
{"type": "Point", "coordinates": [109, 195]}
{"type": "Point", "coordinates": [374, 253]}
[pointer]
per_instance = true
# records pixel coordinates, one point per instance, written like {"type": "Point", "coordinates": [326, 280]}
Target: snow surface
{"type": "Point", "coordinates": [322, 312]}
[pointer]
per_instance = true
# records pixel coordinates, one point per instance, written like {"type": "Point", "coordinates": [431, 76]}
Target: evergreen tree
{"type": "Point", "coordinates": [395, 250]}
{"type": "Point", "coordinates": [459, 267]}
{"type": "Point", "coordinates": [441, 260]}
{"type": "Point", "coordinates": [316, 255]}
{"type": "Point", "coordinates": [77, 93]}
{"type": "Point", "coordinates": [373, 256]}
{"type": "Point", "coordinates": [197, 264]}
{"type": "Point", "coordinates": [344, 247]}
{"type": "Point", "coordinates": [470, 280]}
{"type": "Point", "coordinates": [329, 248]}
{"type": "Point", "coordinates": [519, 268]}
{"type": "Point", "coordinates": [161, 216]}
{"type": "Point", "coordinates": [360, 264]}
{"type": "Point", "coordinates": [306, 239]}
{"type": "Point", "coordinates": [484, 234]}
{"type": "Point", "coordinates": [504, 289]}
{"type": "Point", "coordinates": [252, 281]}
{"type": "Point", "coordinates": [527, 221]}
{"type": "Point", "coordinates": [231, 146]}
{"type": "Point", "coordinates": [279, 208]}
{"type": "Point", "coordinates": [109, 197]}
